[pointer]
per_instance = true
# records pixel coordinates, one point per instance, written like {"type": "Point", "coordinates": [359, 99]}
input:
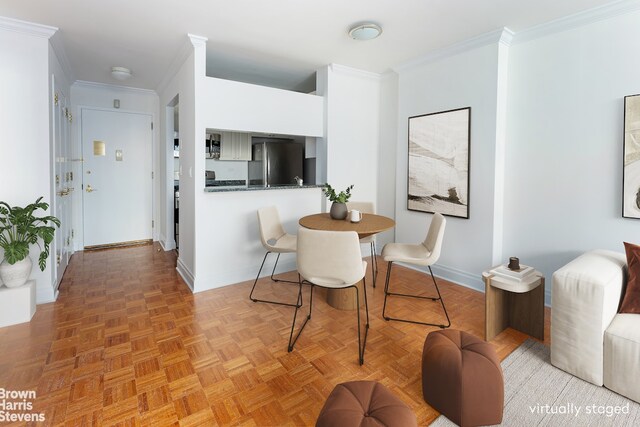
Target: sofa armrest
{"type": "Point", "coordinates": [585, 298]}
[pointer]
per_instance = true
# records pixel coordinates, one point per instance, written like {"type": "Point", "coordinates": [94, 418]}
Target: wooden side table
{"type": "Point", "coordinates": [515, 304]}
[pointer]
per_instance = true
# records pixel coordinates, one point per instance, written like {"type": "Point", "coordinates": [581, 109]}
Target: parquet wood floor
{"type": "Point", "coordinates": [127, 343]}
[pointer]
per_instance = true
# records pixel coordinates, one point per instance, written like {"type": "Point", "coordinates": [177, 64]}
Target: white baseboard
{"type": "Point", "coordinates": [237, 275]}
{"type": "Point", "coordinates": [452, 275]}
{"type": "Point", "coordinates": [166, 245]}
{"type": "Point", "coordinates": [468, 280]}
{"type": "Point", "coordinates": [46, 294]}
{"type": "Point", "coordinates": [186, 275]}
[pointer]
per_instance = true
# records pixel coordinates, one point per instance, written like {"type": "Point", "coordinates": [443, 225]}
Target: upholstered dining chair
{"type": "Point", "coordinates": [368, 207]}
{"type": "Point", "coordinates": [276, 240]}
{"type": "Point", "coordinates": [423, 254]}
{"type": "Point", "coordinates": [332, 260]}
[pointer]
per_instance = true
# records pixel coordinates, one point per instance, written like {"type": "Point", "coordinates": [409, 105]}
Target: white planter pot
{"type": "Point", "coordinates": [17, 274]}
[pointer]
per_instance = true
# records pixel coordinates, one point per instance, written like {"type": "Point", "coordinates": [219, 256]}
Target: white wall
{"type": "Point", "coordinates": [25, 163]}
{"type": "Point", "coordinates": [87, 94]}
{"type": "Point", "coordinates": [352, 130]}
{"type": "Point", "coordinates": [237, 106]}
{"type": "Point", "coordinates": [181, 82]}
{"type": "Point", "coordinates": [465, 79]}
{"type": "Point", "coordinates": [563, 187]}
{"type": "Point", "coordinates": [387, 146]}
{"type": "Point", "coordinates": [230, 250]}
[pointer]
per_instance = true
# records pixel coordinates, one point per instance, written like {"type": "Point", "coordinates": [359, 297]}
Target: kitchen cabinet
{"type": "Point", "coordinates": [235, 146]}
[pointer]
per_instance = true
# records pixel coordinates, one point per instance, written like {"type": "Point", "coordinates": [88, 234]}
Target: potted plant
{"type": "Point", "coordinates": [20, 228]}
{"type": "Point", "coordinates": [339, 201]}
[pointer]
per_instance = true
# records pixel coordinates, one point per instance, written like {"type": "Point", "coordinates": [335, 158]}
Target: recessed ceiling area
{"type": "Point", "coordinates": [278, 43]}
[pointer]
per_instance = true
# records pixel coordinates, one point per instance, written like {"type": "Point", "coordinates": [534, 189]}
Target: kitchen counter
{"type": "Point", "coordinates": [220, 189]}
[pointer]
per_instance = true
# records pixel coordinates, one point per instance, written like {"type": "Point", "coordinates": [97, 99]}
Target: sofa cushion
{"type": "Point", "coordinates": [622, 356]}
{"type": "Point", "coordinates": [631, 300]}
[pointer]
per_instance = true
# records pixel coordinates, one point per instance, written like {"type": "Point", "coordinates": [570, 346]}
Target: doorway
{"type": "Point", "coordinates": [117, 178]}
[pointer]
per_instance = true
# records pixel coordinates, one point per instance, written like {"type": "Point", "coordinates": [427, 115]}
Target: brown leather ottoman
{"type": "Point", "coordinates": [366, 404]}
{"type": "Point", "coordinates": [462, 378]}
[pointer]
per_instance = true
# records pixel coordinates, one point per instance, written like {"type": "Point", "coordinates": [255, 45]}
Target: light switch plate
{"type": "Point", "coordinates": [118, 155]}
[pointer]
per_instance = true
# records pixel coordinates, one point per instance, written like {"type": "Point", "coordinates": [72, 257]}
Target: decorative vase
{"type": "Point", "coordinates": [338, 210]}
{"type": "Point", "coordinates": [17, 274]}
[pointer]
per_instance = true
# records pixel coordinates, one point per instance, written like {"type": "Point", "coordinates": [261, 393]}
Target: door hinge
{"type": "Point", "coordinates": [72, 233]}
{"type": "Point", "coordinates": [151, 125]}
{"type": "Point", "coordinates": [153, 223]}
{"type": "Point", "coordinates": [151, 175]}
{"type": "Point", "coordinates": [55, 99]}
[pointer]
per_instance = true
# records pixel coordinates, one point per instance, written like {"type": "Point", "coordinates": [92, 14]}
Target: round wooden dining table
{"type": "Point", "coordinates": [370, 224]}
{"type": "Point", "coordinates": [345, 299]}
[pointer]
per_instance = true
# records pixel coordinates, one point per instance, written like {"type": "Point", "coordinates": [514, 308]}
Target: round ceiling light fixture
{"type": "Point", "coordinates": [120, 73]}
{"type": "Point", "coordinates": [366, 31]}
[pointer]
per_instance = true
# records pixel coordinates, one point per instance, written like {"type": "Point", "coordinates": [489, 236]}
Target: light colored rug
{"type": "Point", "coordinates": [538, 394]}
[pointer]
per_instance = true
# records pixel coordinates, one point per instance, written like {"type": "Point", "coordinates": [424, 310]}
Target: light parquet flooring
{"type": "Point", "coordinates": [127, 343]}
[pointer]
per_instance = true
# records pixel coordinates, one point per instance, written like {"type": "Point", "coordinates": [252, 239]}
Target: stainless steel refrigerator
{"type": "Point", "coordinates": [276, 163]}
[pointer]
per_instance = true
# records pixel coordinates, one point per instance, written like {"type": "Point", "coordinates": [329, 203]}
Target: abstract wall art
{"type": "Point", "coordinates": [438, 172]}
{"type": "Point", "coordinates": [631, 163]}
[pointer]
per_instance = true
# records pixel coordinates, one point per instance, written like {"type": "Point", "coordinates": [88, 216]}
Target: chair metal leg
{"type": "Point", "coordinates": [374, 263]}
{"type": "Point", "coordinates": [274, 270]}
{"type": "Point", "coordinates": [362, 343]}
{"type": "Point", "coordinates": [298, 301]}
{"type": "Point", "coordinates": [366, 329]}
{"type": "Point", "coordinates": [292, 340]}
{"type": "Point", "coordinates": [439, 298]}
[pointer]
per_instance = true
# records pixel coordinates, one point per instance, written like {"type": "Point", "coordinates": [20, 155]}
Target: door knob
{"type": "Point", "coordinates": [90, 189]}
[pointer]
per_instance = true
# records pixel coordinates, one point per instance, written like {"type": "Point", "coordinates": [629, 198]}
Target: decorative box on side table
{"type": "Point", "coordinates": [515, 304]}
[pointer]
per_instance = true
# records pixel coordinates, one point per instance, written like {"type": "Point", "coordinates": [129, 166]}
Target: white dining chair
{"type": "Point", "coordinates": [368, 207]}
{"type": "Point", "coordinates": [423, 254]}
{"type": "Point", "coordinates": [332, 260]}
{"type": "Point", "coordinates": [276, 240]}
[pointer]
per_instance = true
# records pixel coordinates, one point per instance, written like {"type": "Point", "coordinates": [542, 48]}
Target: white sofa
{"type": "Point", "coordinates": [589, 339]}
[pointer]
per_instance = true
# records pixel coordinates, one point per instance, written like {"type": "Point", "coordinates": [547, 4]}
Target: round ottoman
{"type": "Point", "coordinates": [462, 378]}
{"type": "Point", "coordinates": [366, 404]}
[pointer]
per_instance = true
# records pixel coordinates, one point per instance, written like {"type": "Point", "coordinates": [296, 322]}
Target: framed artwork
{"type": "Point", "coordinates": [438, 172]}
{"type": "Point", "coordinates": [631, 161]}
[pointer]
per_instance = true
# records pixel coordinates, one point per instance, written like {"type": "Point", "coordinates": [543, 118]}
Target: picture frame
{"type": "Point", "coordinates": [439, 148]}
{"type": "Point", "coordinates": [631, 158]}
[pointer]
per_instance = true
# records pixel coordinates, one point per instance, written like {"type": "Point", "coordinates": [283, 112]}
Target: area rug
{"type": "Point", "coordinates": [538, 394]}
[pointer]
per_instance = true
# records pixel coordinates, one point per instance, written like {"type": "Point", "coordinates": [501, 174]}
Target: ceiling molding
{"type": "Point", "coordinates": [197, 40]}
{"type": "Point", "coordinates": [506, 38]}
{"type": "Point", "coordinates": [58, 48]}
{"type": "Point", "coordinates": [94, 85]}
{"type": "Point", "coordinates": [174, 67]}
{"type": "Point", "coordinates": [25, 27]}
{"type": "Point", "coordinates": [579, 19]}
{"type": "Point", "coordinates": [349, 71]}
{"type": "Point", "coordinates": [502, 35]}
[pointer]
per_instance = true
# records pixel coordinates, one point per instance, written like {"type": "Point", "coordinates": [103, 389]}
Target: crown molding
{"type": "Point", "coordinates": [25, 27]}
{"type": "Point", "coordinates": [58, 48]}
{"type": "Point", "coordinates": [502, 35]}
{"type": "Point", "coordinates": [197, 40]}
{"type": "Point", "coordinates": [579, 19]}
{"type": "Point", "coordinates": [350, 71]}
{"type": "Point", "coordinates": [95, 85]}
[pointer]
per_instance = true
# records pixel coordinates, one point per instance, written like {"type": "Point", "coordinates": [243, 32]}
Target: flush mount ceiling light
{"type": "Point", "coordinates": [366, 31]}
{"type": "Point", "coordinates": [120, 73]}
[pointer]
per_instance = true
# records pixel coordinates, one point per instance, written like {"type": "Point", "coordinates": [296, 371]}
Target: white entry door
{"type": "Point", "coordinates": [117, 180]}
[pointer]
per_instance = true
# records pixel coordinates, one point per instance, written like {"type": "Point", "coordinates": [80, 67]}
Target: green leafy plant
{"type": "Point", "coordinates": [19, 228]}
{"type": "Point", "coordinates": [342, 197]}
